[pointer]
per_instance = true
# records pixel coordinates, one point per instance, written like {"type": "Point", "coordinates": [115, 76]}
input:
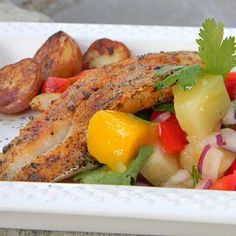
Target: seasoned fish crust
{"type": "Point", "coordinates": [53, 145]}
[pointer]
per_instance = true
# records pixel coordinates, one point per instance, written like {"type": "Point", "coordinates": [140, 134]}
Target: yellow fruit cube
{"type": "Point", "coordinates": [114, 138]}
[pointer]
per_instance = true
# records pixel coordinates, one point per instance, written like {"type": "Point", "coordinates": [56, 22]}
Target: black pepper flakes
{"type": "Point", "coordinates": [84, 163]}
{"type": "Point", "coordinates": [6, 148]}
{"type": "Point", "coordinates": [71, 107]}
{"type": "Point", "coordinates": [110, 50]}
{"type": "Point", "coordinates": [30, 117]}
{"type": "Point", "coordinates": [2, 161]}
{"type": "Point", "coordinates": [157, 68]}
{"type": "Point", "coordinates": [94, 89]}
{"type": "Point", "coordinates": [34, 165]}
{"type": "Point", "coordinates": [86, 95]}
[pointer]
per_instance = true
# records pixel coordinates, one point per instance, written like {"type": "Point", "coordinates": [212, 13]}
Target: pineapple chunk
{"type": "Point", "coordinates": [200, 110]}
{"type": "Point", "coordinates": [114, 138]}
{"type": "Point", "coordinates": [160, 166]}
{"type": "Point", "coordinates": [190, 155]}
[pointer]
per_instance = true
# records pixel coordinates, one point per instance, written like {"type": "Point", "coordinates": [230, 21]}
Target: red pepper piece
{"type": "Point", "coordinates": [227, 183]}
{"type": "Point", "coordinates": [59, 85]}
{"type": "Point", "coordinates": [231, 169]}
{"type": "Point", "coordinates": [230, 83]}
{"type": "Point", "coordinates": [55, 85]}
{"type": "Point", "coordinates": [172, 137]}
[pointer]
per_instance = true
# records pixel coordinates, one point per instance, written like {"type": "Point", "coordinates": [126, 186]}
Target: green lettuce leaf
{"type": "Point", "coordinates": [104, 175]}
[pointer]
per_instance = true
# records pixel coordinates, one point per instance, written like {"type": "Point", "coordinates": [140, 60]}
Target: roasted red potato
{"type": "Point", "coordinates": [104, 52]}
{"type": "Point", "coordinates": [19, 83]}
{"type": "Point", "coordinates": [59, 56]}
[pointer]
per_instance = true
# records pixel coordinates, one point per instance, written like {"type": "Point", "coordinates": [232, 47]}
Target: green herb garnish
{"type": "Point", "coordinates": [217, 55]}
{"type": "Point", "coordinates": [185, 77]}
{"type": "Point", "coordinates": [105, 176]}
{"type": "Point", "coordinates": [166, 107]}
{"type": "Point", "coordinates": [165, 70]}
{"type": "Point", "coordinates": [195, 175]}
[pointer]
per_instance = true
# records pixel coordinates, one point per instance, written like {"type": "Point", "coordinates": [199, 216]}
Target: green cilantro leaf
{"type": "Point", "coordinates": [105, 176]}
{"type": "Point", "coordinates": [218, 56]}
{"type": "Point", "coordinates": [185, 77]}
{"type": "Point", "coordinates": [165, 70]}
{"type": "Point", "coordinates": [169, 107]}
{"type": "Point", "coordinates": [195, 175]}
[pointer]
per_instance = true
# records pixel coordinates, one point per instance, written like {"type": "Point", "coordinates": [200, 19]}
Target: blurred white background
{"type": "Point", "coordinates": [145, 12]}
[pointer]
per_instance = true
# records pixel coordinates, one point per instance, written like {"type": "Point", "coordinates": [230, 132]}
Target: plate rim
{"type": "Point", "coordinates": [199, 201]}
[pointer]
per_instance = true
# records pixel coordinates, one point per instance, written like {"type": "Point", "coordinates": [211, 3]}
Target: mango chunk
{"type": "Point", "coordinates": [114, 138]}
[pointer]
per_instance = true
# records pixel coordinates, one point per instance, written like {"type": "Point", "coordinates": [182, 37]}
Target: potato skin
{"type": "Point", "coordinates": [104, 52]}
{"type": "Point", "coordinates": [19, 83]}
{"type": "Point", "coordinates": [59, 56]}
{"type": "Point", "coordinates": [43, 101]}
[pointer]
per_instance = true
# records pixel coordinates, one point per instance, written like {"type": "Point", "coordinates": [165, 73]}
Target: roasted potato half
{"type": "Point", "coordinates": [43, 101]}
{"type": "Point", "coordinates": [59, 56]}
{"type": "Point", "coordinates": [19, 83]}
{"type": "Point", "coordinates": [104, 52]}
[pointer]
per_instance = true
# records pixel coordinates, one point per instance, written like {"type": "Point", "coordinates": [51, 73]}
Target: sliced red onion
{"type": "Point", "coordinates": [209, 162]}
{"type": "Point", "coordinates": [229, 135]}
{"type": "Point", "coordinates": [204, 184]}
{"type": "Point", "coordinates": [202, 157]}
{"type": "Point", "coordinates": [227, 157]}
{"type": "Point", "coordinates": [230, 116]}
{"type": "Point", "coordinates": [162, 117]}
{"type": "Point", "coordinates": [219, 140]}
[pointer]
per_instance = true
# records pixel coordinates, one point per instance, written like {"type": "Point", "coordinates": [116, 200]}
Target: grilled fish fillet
{"type": "Point", "coordinates": [53, 145]}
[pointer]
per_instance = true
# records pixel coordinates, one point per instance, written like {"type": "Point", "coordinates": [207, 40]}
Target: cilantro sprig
{"type": "Point", "coordinates": [165, 70]}
{"type": "Point", "coordinates": [104, 175]}
{"type": "Point", "coordinates": [218, 56]}
{"type": "Point", "coordinates": [185, 77]}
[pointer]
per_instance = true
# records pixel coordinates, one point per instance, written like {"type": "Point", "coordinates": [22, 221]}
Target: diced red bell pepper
{"type": "Point", "coordinates": [231, 169]}
{"type": "Point", "coordinates": [59, 85]}
{"type": "Point", "coordinates": [172, 137]}
{"type": "Point", "coordinates": [230, 83]}
{"type": "Point", "coordinates": [227, 183]}
{"type": "Point", "coordinates": [55, 85]}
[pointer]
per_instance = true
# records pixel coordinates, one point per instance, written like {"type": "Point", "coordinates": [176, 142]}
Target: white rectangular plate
{"type": "Point", "coordinates": [117, 209]}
